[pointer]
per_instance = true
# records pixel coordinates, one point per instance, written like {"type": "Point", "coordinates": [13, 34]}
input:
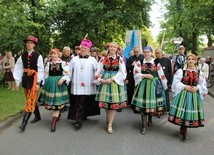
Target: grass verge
{"type": "Point", "coordinates": [11, 102]}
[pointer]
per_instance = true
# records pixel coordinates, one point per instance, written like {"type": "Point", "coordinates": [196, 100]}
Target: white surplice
{"type": "Point", "coordinates": [82, 75]}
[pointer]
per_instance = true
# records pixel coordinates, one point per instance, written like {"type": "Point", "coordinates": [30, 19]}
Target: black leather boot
{"type": "Point", "coordinates": [185, 137]}
{"type": "Point", "coordinates": [37, 115]}
{"type": "Point", "coordinates": [144, 120]}
{"type": "Point", "coordinates": [150, 120]}
{"type": "Point", "coordinates": [182, 130]}
{"type": "Point", "coordinates": [25, 120]}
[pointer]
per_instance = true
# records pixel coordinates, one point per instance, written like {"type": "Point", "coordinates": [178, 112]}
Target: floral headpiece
{"type": "Point", "coordinates": [31, 38]}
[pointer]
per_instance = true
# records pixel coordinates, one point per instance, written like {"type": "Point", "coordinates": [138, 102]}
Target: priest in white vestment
{"type": "Point", "coordinates": [83, 89]}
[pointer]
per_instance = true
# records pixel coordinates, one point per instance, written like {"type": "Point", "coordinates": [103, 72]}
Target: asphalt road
{"type": "Point", "coordinates": [162, 138]}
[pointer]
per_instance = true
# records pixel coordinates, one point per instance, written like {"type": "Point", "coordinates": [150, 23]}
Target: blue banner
{"type": "Point", "coordinates": [130, 44]}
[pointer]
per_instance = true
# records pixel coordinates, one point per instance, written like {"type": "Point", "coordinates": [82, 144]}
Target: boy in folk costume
{"type": "Point", "coordinates": [29, 70]}
{"type": "Point", "coordinates": [83, 90]}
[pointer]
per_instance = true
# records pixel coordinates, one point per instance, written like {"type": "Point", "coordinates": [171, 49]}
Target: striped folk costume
{"type": "Point", "coordinates": [187, 107]}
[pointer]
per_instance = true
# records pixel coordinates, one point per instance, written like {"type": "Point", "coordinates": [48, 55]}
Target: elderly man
{"type": "Point", "coordinates": [66, 54]}
{"type": "Point", "coordinates": [167, 68]}
{"type": "Point", "coordinates": [130, 66]}
{"type": "Point", "coordinates": [83, 89]}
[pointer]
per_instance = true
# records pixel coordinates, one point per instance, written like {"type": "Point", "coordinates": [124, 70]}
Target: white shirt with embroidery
{"type": "Point", "coordinates": [66, 71]}
{"type": "Point", "coordinates": [138, 76]}
{"type": "Point", "coordinates": [120, 76]}
{"type": "Point", "coordinates": [178, 86]}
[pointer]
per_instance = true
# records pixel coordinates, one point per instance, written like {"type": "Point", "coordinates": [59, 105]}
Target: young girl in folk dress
{"type": "Point", "coordinates": [149, 96]}
{"type": "Point", "coordinates": [55, 93]}
{"type": "Point", "coordinates": [111, 74]}
{"type": "Point", "coordinates": [188, 89]}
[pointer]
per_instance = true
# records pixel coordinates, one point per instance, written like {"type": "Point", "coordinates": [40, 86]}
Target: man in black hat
{"type": "Point", "coordinates": [29, 70]}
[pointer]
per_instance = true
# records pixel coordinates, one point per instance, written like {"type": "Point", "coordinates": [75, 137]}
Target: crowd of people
{"type": "Point", "coordinates": [87, 80]}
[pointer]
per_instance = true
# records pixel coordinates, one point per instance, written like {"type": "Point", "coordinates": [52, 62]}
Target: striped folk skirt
{"type": "Point", "coordinates": [187, 110]}
{"type": "Point", "coordinates": [111, 96]}
{"type": "Point", "coordinates": [147, 100]}
{"type": "Point", "coordinates": [54, 97]}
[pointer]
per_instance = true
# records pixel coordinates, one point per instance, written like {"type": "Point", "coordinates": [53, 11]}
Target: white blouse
{"type": "Point", "coordinates": [120, 76]}
{"type": "Point", "coordinates": [66, 71]}
{"type": "Point", "coordinates": [138, 76]}
{"type": "Point", "coordinates": [178, 86]}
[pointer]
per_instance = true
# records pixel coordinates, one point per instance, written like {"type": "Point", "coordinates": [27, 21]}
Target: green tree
{"type": "Point", "coordinates": [65, 22]}
{"type": "Point", "coordinates": [22, 18]}
{"type": "Point", "coordinates": [189, 20]}
{"type": "Point", "coordinates": [104, 21]}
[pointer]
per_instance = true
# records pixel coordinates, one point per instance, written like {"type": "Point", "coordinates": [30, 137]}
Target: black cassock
{"type": "Point", "coordinates": [130, 77]}
{"type": "Point", "coordinates": [167, 69]}
{"type": "Point", "coordinates": [80, 109]}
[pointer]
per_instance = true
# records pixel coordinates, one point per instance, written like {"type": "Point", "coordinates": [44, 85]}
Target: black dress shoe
{"type": "Point", "coordinates": [36, 119]}
{"type": "Point", "coordinates": [22, 127]}
{"type": "Point", "coordinates": [185, 137]}
{"type": "Point", "coordinates": [78, 126]}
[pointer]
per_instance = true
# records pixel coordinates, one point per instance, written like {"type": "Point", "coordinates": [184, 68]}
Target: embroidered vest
{"type": "Point", "coordinates": [110, 64]}
{"type": "Point", "coordinates": [29, 62]}
{"type": "Point", "coordinates": [55, 70]}
{"type": "Point", "coordinates": [190, 78]}
{"type": "Point", "coordinates": [149, 68]}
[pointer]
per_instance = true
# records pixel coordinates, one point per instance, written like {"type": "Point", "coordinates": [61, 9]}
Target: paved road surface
{"type": "Point", "coordinates": [162, 138]}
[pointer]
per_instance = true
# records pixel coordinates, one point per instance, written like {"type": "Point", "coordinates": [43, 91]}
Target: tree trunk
{"type": "Point", "coordinates": [210, 41]}
{"type": "Point", "coordinates": [194, 42]}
